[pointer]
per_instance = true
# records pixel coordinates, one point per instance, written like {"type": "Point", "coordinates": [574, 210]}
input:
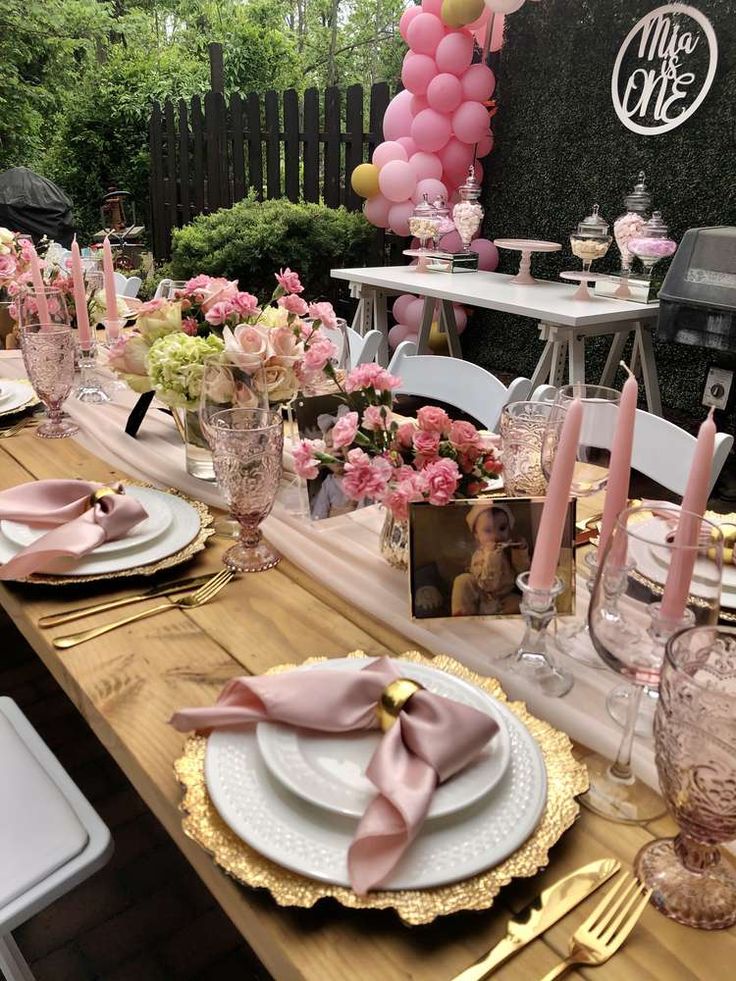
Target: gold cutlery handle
{"type": "Point", "coordinates": [56, 619]}
{"type": "Point", "coordinates": [71, 640]}
{"type": "Point", "coordinates": [489, 962]}
{"type": "Point", "coordinates": [562, 968]}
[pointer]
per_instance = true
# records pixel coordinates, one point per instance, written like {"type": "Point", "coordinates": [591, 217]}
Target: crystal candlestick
{"type": "Point", "coordinates": [533, 658]}
{"type": "Point", "coordinates": [89, 388]}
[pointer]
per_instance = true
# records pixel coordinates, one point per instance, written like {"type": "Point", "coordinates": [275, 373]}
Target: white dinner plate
{"type": "Point", "coordinates": [329, 769]}
{"type": "Point", "coordinates": [158, 520]}
{"type": "Point", "coordinates": [184, 526]}
{"type": "Point", "coordinates": [301, 837]}
{"type": "Point", "coordinates": [16, 395]}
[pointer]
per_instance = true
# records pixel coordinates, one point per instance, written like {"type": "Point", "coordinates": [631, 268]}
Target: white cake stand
{"type": "Point", "coordinates": [526, 246]}
{"type": "Point", "coordinates": [582, 292]}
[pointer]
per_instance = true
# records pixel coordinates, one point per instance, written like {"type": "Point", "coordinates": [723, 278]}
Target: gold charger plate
{"type": "Point", "coordinates": [186, 552]}
{"type": "Point", "coordinates": [566, 778]}
{"type": "Point", "coordinates": [33, 399]}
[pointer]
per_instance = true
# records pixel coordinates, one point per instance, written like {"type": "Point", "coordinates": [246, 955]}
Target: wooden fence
{"type": "Point", "coordinates": [209, 153]}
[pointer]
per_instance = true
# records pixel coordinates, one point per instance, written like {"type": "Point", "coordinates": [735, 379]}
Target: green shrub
{"type": "Point", "coordinates": [252, 239]}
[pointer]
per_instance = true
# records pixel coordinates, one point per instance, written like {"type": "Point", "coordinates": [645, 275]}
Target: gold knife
{"type": "Point", "coordinates": [164, 589]}
{"type": "Point", "coordinates": [549, 907]}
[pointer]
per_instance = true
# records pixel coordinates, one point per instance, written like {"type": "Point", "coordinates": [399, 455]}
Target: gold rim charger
{"type": "Point", "coordinates": [566, 778]}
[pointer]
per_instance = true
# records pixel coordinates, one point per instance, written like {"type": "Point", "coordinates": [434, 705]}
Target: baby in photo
{"type": "Point", "coordinates": [489, 586]}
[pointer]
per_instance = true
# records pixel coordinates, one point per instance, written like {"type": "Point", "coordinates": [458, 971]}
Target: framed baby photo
{"type": "Point", "coordinates": [464, 558]}
{"type": "Point", "coordinates": [315, 417]}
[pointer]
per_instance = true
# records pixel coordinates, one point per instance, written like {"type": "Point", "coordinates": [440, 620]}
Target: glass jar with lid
{"type": "Point", "coordinates": [591, 239]}
{"type": "Point", "coordinates": [424, 223]}
{"type": "Point", "coordinates": [467, 214]}
{"type": "Point", "coordinates": [630, 224]}
{"type": "Point", "coordinates": [443, 213]}
{"type": "Point", "coordinates": [653, 243]}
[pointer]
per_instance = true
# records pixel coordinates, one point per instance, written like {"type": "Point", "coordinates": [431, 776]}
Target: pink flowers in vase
{"type": "Point", "coordinates": [381, 458]}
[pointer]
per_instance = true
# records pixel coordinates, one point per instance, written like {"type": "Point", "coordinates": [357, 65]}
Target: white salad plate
{"type": "Point", "coordinates": [183, 526]}
{"type": "Point", "coordinates": [158, 520]}
{"type": "Point", "coordinates": [15, 395]}
{"type": "Point", "coordinates": [329, 770]}
{"type": "Point", "coordinates": [300, 836]}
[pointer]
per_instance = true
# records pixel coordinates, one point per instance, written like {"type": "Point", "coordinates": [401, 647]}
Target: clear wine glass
{"type": "Point", "coordinates": [695, 752]}
{"type": "Point", "coordinates": [247, 447]}
{"type": "Point", "coordinates": [48, 354]}
{"type": "Point", "coordinates": [523, 426]}
{"type": "Point", "coordinates": [630, 630]}
{"type": "Point", "coordinates": [42, 307]}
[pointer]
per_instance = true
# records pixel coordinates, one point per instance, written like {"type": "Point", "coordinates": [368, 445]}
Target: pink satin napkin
{"type": "Point", "coordinates": [77, 526]}
{"type": "Point", "coordinates": [432, 739]}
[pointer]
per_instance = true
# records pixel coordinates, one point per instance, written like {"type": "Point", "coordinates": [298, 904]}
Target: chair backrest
{"type": "Point", "coordinates": [132, 286]}
{"type": "Point", "coordinates": [363, 350]}
{"type": "Point", "coordinates": [162, 290]}
{"type": "Point", "coordinates": [544, 393]}
{"type": "Point", "coordinates": [120, 283]}
{"type": "Point", "coordinates": [459, 383]}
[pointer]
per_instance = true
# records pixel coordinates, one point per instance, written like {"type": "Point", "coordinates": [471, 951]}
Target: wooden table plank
{"type": "Point", "coordinates": [128, 683]}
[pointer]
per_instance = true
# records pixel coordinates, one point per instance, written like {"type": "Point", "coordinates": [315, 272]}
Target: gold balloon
{"type": "Point", "coordinates": [437, 341]}
{"type": "Point", "coordinates": [458, 13]}
{"type": "Point", "coordinates": [364, 180]}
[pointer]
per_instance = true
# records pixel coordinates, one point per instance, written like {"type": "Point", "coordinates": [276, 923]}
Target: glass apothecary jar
{"type": "Point", "coordinates": [653, 243]}
{"type": "Point", "coordinates": [467, 214]}
{"type": "Point", "coordinates": [591, 239]}
{"type": "Point", "coordinates": [424, 223]}
{"type": "Point", "coordinates": [630, 224]}
{"type": "Point", "coordinates": [443, 213]}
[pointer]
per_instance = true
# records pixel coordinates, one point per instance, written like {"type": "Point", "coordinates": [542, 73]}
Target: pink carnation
{"type": "Point", "coordinates": [465, 438]}
{"type": "Point", "coordinates": [289, 281]}
{"type": "Point", "coordinates": [405, 435]}
{"type": "Point", "coordinates": [218, 313]}
{"type": "Point", "coordinates": [432, 419]}
{"type": "Point", "coordinates": [324, 313]}
{"type": "Point", "coordinates": [196, 284]}
{"type": "Point", "coordinates": [8, 266]}
{"type": "Point", "coordinates": [365, 477]}
{"type": "Point", "coordinates": [426, 444]}
{"type": "Point", "coordinates": [26, 249]}
{"type": "Point", "coordinates": [344, 430]}
{"type": "Point", "coordinates": [442, 478]}
{"type": "Point", "coordinates": [245, 304]}
{"type": "Point", "coordinates": [305, 464]}
{"type": "Point", "coordinates": [189, 326]}
{"type": "Point", "coordinates": [318, 354]}
{"type": "Point", "coordinates": [408, 489]}
{"type": "Point", "coordinates": [371, 376]}
{"type": "Point", "coordinates": [374, 417]}
{"type": "Point", "coordinates": [294, 304]}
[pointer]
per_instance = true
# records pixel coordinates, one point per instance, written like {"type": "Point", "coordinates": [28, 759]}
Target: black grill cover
{"type": "Point", "coordinates": [34, 205]}
{"type": "Point", "coordinates": [698, 296]}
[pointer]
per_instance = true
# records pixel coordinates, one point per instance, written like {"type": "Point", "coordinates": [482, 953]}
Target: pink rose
{"type": "Point", "coordinates": [151, 307]}
{"type": "Point", "coordinates": [442, 478]}
{"type": "Point", "coordinates": [293, 304]}
{"type": "Point", "coordinates": [284, 348]}
{"type": "Point", "coordinates": [218, 313]}
{"type": "Point", "coordinates": [374, 417]}
{"type": "Point", "coordinates": [26, 249]}
{"type": "Point", "coordinates": [289, 281]}
{"type": "Point", "coordinates": [408, 489]}
{"type": "Point", "coordinates": [365, 477]}
{"type": "Point", "coordinates": [432, 419]}
{"type": "Point", "coordinates": [426, 444]}
{"type": "Point", "coordinates": [317, 355]}
{"type": "Point", "coordinates": [197, 283]}
{"type": "Point", "coordinates": [344, 430]}
{"type": "Point", "coordinates": [405, 435]}
{"type": "Point", "coordinates": [246, 345]}
{"type": "Point", "coordinates": [325, 313]}
{"type": "Point", "coordinates": [465, 438]}
{"type": "Point", "coordinates": [190, 326]}
{"type": "Point", "coordinates": [305, 464]}
{"type": "Point", "coordinates": [245, 304]}
{"type": "Point", "coordinates": [370, 376]}
{"type": "Point", "coordinates": [220, 291]}
{"type": "Point", "coordinates": [8, 266]}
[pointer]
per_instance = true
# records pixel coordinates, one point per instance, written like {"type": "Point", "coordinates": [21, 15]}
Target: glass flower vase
{"type": "Point", "coordinates": [394, 541]}
{"type": "Point", "coordinates": [198, 454]}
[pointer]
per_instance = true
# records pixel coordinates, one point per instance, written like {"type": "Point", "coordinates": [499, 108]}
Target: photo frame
{"type": "Point", "coordinates": [464, 558]}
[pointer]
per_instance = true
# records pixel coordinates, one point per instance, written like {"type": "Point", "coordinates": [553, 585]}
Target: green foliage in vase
{"type": "Point", "coordinates": [251, 239]}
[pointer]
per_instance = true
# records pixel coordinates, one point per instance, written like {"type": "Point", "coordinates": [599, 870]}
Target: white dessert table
{"type": "Point", "coordinates": [565, 324]}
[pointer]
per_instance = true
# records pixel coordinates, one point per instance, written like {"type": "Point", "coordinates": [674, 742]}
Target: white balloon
{"type": "Point", "coordinates": [504, 6]}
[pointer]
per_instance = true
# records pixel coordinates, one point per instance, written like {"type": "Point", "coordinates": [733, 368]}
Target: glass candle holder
{"type": "Point", "coordinates": [533, 657]}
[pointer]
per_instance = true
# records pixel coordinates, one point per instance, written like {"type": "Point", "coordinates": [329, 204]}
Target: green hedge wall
{"type": "Point", "coordinates": [560, 147]}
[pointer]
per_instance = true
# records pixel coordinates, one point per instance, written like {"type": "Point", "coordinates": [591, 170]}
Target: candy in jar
{"type": "Point", "coordinates": [653, 243]}
{"type": "Point", "coordinates": [630, 224]}
{"type": "Point", "coordinates": [424, 223]}
{"type": "Point", "coordinates": [591, 239]}
{"type": "Point", "coordinates": [467, 214]}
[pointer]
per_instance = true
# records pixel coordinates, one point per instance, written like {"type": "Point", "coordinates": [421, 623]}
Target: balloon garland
{"type": "Point", "coordinates": [435, 128]}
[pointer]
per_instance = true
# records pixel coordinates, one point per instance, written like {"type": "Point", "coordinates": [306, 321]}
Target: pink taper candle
{"type": "Point", "coordinates": [619, 472]}
{"type": "Point", "coordinates": [108, 274]}
{"type": "Point", "coordinates": [546, 556]}
{"type": "Point", "coordinates": [695, 501]}
{"type": "Point", "coordinates": [80, 299]}
{"type": "Point", "coordinates": [44, 317]}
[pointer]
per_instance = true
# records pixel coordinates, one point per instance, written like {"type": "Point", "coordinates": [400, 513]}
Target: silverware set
{"type": "Point", "coordinates": [18, 426]}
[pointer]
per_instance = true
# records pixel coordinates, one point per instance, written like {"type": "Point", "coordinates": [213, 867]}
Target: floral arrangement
{"type": "Point", "coordinates": [15, 258]}
{"type": "Point", "coordinates": [398, 463]}
{"type": "Point", "coordinates": [276, 335]}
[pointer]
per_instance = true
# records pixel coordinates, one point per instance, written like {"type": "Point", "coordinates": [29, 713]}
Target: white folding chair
{"type": "Point", "coordinates": [120, 282]}
{"type": "Point", "coordinates": [363, 350]}
{"type": "Point", "coordinates": [50, 837]}
{"type": "Point", "coordinates": [162, 290]}
{"type": "Point", "coordinates": [132, 286]}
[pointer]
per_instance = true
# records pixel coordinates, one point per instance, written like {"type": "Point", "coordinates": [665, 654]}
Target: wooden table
{"type": "Point", "coordinates": [564, 324]}
{"type": "Point", "coordinates": [128, 683]}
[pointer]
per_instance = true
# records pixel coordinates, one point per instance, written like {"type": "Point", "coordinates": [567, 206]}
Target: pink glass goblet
{"type": "Point", "coordinates": [48, 354]}
{"type": "Point", "coordinates": [46, 307]}
{"type": "Point", "coordinates": [695, 746]}
{"type": "Point", "coordinates": [247, 447]}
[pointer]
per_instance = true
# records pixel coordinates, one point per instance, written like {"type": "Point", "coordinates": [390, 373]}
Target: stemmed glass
{"type": "Point", "coordinates": [247, 447]}
{"type": "Point", "coordinates": [523, 426]}
{"type": "Point", "coordinates": [48, 354]}
{"type": "Point", "coordinates": [600, 413]}
{"type": "Point", "coordinates": [695, 745]}
{"type": "Point", "coordinates": [42, 308]}
{"type": "Point", "coordinates": [629, 632]}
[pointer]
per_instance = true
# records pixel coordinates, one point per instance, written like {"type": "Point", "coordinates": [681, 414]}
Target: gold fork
{"type": "Point", "coordinates": [203, 595]}
{"type": "Point", "coordinates": [16, 427]}
{"type": "Point", "coordinates": [599, 937]}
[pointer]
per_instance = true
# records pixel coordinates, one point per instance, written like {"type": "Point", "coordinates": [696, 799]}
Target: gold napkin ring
{"type": "Point", "coordinates": [728, 531]}
{"type": "Point", "coordinates": [101, 492]}
{"type": "Point", "coordinates": [393, 699]}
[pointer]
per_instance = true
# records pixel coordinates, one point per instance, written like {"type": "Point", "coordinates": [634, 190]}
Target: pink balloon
{"type": "Point", "coordinates": [413, 337]}
{"type": "Point", "coordinates": [470, 122]}
{"type": "Point", "coordinates": [432, 188]}
{"type": "Point", "coordinates": [432, 7]}
{"type": "Point", "coordinates": [376, 210]}
{"type": "Point", "coordinates": [418, 104]}
{"type": "Point", "coordinates": [444, 92]}
{"type": "Point", "coordinates": [397, 334]}
{"type": "Point", "coordinates": [487, 254]}
{"type": "Point", "coordinates": [456, 157]}
{"type": "Point", "coordinates": [397, 118]}
{"type": "Point", "coordinates": [484, 146]}
{"type": "Point", "coordinates": [451, 242]}
{"type": "Point", "coordinates": [417, 72]}
{"type": "Point", "coordinates": [426, 165]}
{"type": "Point", "coordinates": [400, 305]}
{"type": "Point", "coordinates": [409, 145]}
{"type": "Point", "coordinates": [477, 83]}
{"type": "Point", "coordinates": [413, 316]}
{"type": "Point", "coordinates": [388, 151]}
{"type": "Point", "coordinates": [398, 217]}
{"type": "Point", "coordinates": [461, 317]}
{"type": "Point", "coordinates": [396, 180]}
{"type": "Point", "coordinates": [431, 130]}
{"type": "Point", "coordinates": [424, 33]}
{"type": "Point", "coordinates": [454, 53]}
{"type": "Point", "coordinates": [406, 18]}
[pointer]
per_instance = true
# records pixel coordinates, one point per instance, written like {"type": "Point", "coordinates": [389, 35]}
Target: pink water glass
{"type": "Point", "coordinates": [247, 447]}
{"type": "Point", "coordinates": [695, 746]}
{"type": "Point", "coordinates": [41, 307]}
{"type": "Point", "coordinates": [48, 354]}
